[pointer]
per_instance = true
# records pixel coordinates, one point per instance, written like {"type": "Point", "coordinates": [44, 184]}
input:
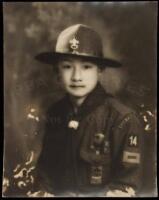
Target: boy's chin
{"type": "Point", "coordinates": [79, 93]}
{"type": "Point", "coordinates": [78, 96]}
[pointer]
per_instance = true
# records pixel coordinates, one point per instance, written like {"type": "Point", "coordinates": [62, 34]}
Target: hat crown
{"type": "Point", "coordinates": [79, 39]}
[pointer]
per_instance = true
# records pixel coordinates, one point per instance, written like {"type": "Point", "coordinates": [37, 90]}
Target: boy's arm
{"type": "Point", "coordinates": [41, 185]}
{"type": "Point", "coordinates": [127, 157]}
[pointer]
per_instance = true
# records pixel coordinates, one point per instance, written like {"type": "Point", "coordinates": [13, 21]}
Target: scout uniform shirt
{"type": "Point", "coordinates": [93, 151]}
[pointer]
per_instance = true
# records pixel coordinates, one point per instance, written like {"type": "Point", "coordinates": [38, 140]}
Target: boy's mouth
{"type": "Point", "coordinates": [77, 86]}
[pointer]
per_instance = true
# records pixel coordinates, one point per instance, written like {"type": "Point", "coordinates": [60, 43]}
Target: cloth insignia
{"type": "Point", "coordinates": [131, 157]}
{"type": "Point", "coordinates": [124, 121]}
{"type": "Point", "coordinates": [96, 175]}
{"type": "Point", "coordinates": [133, 141]}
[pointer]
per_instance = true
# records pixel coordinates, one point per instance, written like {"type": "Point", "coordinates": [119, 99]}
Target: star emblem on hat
{"type": "Point", "coordinates": [74, 44]}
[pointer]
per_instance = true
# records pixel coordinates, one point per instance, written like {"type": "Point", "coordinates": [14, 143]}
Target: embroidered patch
{"type": "Point", "coordinates": [125, 120]}
{"type": "Point", "coordinates": [133, 140]}
{"type": "Point", "coordinates": [96, 175]}
{"type": "Point", "coordinates": [131, 157]}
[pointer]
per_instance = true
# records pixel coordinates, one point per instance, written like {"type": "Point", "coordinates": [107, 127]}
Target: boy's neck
{"type": "Point", "coordinates": [77, 102]}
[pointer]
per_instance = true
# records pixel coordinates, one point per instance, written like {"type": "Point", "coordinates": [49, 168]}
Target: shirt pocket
{"type": "Point", "coordinates": [98, 166]}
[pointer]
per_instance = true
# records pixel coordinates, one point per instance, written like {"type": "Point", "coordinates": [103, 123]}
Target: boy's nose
{"type": "Point", "coordinates": [76, 75]}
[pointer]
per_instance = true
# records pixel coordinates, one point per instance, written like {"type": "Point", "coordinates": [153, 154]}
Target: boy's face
{"type": "Point", "coordinates": [78, 77]}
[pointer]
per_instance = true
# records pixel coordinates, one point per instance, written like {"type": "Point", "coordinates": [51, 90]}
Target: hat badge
{"type": "Point", "coordinates": [74, 44]}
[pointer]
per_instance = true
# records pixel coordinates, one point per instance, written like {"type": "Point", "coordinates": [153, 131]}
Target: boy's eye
{"type": "Point", "coordinates": [87, 66]}
{"type": "Point", "coordinates": [66, 66]}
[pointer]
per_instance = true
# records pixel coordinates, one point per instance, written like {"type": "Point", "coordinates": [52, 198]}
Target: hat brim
{"type": "Point", "coordinates": [54, 57]}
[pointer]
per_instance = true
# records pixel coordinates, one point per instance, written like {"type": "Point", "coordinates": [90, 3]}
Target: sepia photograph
{"type": "Point", "coordinates": [80, 99]}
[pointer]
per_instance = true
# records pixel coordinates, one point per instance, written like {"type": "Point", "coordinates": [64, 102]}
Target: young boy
{"type": "Point", "coordinates": [93, 143]}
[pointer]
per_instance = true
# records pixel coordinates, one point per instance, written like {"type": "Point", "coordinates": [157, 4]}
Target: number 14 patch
{"type": "Point", "coordinates": [133, 141]}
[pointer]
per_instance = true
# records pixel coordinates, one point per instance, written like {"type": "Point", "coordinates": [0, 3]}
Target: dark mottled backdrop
{"type": "Point", "coordinates": [129, 32]}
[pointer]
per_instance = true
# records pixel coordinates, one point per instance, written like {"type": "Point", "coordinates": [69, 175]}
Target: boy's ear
{"type": "Point", "coordinates": [56, 72]}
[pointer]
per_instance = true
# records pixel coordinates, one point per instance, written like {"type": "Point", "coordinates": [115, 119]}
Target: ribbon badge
{"type": "Point", "coordinates": [74, 44]}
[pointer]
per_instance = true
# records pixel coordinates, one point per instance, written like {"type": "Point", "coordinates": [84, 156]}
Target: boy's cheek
{"type": "Point", "coordinates": [62, 78]}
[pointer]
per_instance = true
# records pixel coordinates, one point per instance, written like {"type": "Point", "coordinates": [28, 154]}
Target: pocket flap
{"type": "Point", "coordinates": [93, 158]}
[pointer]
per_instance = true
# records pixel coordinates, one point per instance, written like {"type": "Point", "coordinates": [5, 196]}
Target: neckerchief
{"type": "Point", "coordinates": [92, 101]}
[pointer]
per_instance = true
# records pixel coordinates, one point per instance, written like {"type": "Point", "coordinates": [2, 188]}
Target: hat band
{"type": "Point", "coordinates": [77, 53]}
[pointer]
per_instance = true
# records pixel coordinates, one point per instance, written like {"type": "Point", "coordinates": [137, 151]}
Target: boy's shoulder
{"type": "Point", "coordinates": [116, 105]}
{"type": "Point", "coordinates": [121, 112]}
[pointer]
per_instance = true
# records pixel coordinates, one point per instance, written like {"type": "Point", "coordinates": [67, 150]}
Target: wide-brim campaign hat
{"type": "Point", "coordinates": [78, 41]}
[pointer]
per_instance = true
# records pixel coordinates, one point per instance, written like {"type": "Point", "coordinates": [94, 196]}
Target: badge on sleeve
{"type": "Point", "coordinates": [131, 157]}
{"type": "Point", "coordinates": [124, 122]}
{"type": "Point", "coordinates": [133, 141]}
